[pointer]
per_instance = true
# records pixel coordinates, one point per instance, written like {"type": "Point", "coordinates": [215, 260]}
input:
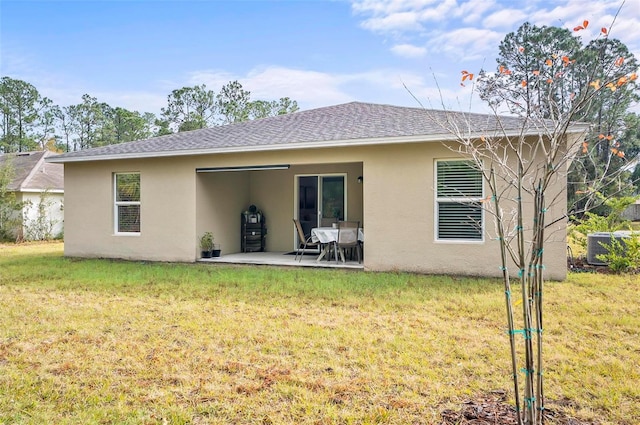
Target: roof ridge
{"type": "Point", "coordinates": [34, 170]}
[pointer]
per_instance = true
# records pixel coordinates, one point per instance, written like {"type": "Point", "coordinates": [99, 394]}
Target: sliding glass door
{"type": "Point", "coordinates": [321, 200]}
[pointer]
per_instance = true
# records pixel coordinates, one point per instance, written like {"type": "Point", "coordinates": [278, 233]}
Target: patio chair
{"type": "Point", "coordinates": [303, 240]}
{"type": "Point", "coordinates": [347, 239]}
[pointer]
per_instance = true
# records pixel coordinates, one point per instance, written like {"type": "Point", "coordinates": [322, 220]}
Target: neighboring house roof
{"type": "Point", "coordinates": [32, 174]}
{"type": "Point", "coordinates": [349, 124]}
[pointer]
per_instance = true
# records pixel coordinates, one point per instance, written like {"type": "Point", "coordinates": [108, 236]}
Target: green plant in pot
{"type": "Point", "coordinates": [206, 245]}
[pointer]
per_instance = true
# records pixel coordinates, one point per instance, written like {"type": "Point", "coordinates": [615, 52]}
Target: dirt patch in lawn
{"type": "Point", "coordinates": [493, 409]}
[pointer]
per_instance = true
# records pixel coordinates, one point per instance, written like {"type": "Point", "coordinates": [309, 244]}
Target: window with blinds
{"type": "Point", "coordinates": [127, 202]}
{"type": "Point", "coordinates": [458, 195]}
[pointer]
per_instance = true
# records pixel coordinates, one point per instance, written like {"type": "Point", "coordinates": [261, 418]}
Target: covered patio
{"type": "Point", "coordinates": [316, 194]}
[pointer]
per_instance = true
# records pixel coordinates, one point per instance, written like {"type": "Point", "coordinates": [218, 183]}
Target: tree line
{"type": "Point", "coordinates": [30, 121]}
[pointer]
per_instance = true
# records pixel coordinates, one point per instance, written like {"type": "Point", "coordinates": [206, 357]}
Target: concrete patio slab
{"type": "Point", "coordinates": [280, 259]}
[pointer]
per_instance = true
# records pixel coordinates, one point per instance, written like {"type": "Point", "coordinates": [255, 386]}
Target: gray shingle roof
{"type": "Point", "coordinates": [31, 172]}
{"type": "Point", "coordinates": [345, 123]}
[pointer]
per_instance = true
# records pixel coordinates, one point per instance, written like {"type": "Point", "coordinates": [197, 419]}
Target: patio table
{"type": "Point", "coordinates": [327, 235]}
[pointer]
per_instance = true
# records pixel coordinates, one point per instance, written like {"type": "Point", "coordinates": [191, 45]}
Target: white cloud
{"type": "Point", "coordinates": [387, 7]}
{"type": "Point", "coordinates": [440, 12]}
{"type": "Point", "coordinates": [473, 10]}
{"type": "Point", "coordinates": [402, 15]}
{"type": "Point", "coordinates": [214, 79]}
{"type": "Point", "coordinates": [135, 101]}
{"type": "Point", "coordinates": [505, 18]}
{"type": "Point", "coordinates": [466, 44]}
{"type": "Point", "coordinates": [569, 13]}
{"type": "Point", "coordinates": [308, 88]}
{"type": "Point", "coordinates": [409, 50]}
{"type": "Point", "coordinates": [403, 21]}
{"type": "Point", "coordinates": [313, 89]}
{"type": "Point", "coordinates": [628, 31]}
{"type": "Point", "coordinates": [65, 94]}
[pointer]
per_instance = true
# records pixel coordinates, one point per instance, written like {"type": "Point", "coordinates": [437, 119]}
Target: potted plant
{"type": "Point", "coordinates": [206, 245]}
{"type": "Point", "coordinates": [216, 250]}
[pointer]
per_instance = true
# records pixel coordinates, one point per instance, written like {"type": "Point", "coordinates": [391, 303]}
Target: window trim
{"type": "Point", "coordinates": [461, 200]}
{"type": "Point", "coordinates": [117, 204]}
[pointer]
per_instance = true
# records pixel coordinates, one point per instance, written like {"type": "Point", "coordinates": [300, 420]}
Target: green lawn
{"type": "Point", "coordinates": [97, 341]}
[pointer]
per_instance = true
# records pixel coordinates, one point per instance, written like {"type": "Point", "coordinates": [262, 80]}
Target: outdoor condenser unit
{"type": "Point", "coordinates": [595, 242]}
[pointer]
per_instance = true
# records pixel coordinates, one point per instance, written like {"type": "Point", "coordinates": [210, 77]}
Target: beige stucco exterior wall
{"type": "Point", "coordinates": [400, 214]}
{"type": "Point", "coordinates": [168, 202]}
{"type": "Point", "coordinates": [220, 199]}
{"type": "Point", "coordinates": [395, 203]}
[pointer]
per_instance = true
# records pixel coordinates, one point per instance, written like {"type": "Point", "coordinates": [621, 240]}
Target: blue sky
{"type": "Point", "coordinates": [133, 53]}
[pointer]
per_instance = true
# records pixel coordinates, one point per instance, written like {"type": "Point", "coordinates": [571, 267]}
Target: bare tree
{"type": "Point", "coordinates": [525, 173]}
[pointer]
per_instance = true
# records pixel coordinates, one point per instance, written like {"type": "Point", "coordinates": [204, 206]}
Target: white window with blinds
{"type": "Point", "coordinates": [459, 191]}
{"type": "Point", "coordinates": [127, 203]}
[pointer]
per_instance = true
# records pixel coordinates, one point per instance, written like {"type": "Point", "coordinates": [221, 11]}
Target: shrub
{"type": "Point", "coordinates": [594, 223]}
{"type": "Point", "coordinates": [41, 227]}
{"type": "Point", "coordinates": [623, 255]}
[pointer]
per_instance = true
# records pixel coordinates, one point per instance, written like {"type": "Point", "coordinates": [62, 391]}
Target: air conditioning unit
{"type": "Point", "coordinates": [597, 245]}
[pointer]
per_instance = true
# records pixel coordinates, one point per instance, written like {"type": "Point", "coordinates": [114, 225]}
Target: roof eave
{"type": "Point", "coordinates": [32, 190]}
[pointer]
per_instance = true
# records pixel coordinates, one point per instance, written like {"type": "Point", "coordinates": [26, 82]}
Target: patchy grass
{"type": "Point", "coordinates": [98, 341]}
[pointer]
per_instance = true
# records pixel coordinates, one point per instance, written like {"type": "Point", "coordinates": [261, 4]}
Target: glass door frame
{"type": "Point", "coordinates": [319, 198]}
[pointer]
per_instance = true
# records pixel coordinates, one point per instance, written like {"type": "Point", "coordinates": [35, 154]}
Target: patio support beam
{"type": "Point", "coordinates": [243, 168]}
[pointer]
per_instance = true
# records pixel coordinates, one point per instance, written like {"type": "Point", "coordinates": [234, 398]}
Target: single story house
{"type": "Point", "coordinates": [378, 164]}
{"type": "Point", "coordinates": [39, 186]}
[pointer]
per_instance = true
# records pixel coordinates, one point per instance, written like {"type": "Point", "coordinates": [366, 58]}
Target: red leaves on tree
{"type": "Point", "coordinates": [615, 145]}
{"type": "Point", "coordinates": [584, 25]}
{"type": "Point", "coordinates": [466, 75]}
{"type": "Point", "coordinates": [617, 153]}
